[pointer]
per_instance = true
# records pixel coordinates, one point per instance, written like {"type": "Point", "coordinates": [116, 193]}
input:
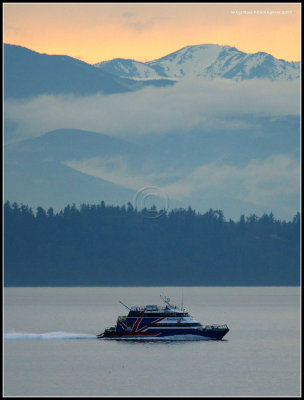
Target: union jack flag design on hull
{"type": "Point", "coordinates": [136, 331]}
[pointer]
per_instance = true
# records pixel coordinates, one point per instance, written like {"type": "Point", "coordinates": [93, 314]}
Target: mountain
{"type": "Point", "coordinates": [129, 69]}
{"type": "Point", "coordinates": [28, 74]}
{"type": "Point", "coordinates": [35, 172]}
{"type": "Point", "coordinates": [55, 169]}
{"type": "Point", "coordinates": [236, 160]}
{"type": "Point", "coordinates": [68, 166]}
{"type": "Point", "coordinates": [209, 61]}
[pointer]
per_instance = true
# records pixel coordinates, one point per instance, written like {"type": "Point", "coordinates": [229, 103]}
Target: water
{"type": "Point", "coordinates": [50, 348]}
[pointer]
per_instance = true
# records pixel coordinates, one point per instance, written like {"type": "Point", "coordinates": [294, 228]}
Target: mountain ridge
{"type": "Point", "coordinates": [28, 73]}
{"type": "Point", "coordinates": [206, 60]}
{"type": "Point", "coordinates": [67, 165]}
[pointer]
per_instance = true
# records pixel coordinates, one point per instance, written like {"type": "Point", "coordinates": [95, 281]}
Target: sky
{"type": "Point", "coordinates": [95, 32]}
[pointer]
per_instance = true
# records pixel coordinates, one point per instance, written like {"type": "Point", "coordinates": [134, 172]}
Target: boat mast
{"type": "Point", "coordinates": [124, 305]}
{"type": "Point", "coordinates": [167, 301]}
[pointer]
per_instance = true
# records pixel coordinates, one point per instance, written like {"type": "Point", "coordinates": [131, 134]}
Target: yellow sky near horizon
{"type": "Point", "coordinates": [95, 32]}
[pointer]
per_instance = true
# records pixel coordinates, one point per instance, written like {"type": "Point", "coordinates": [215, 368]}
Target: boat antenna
{"type": "Point", "coordinates": [124, 305]}
{"type": "Point", "coordinates": [166, 300]}
{"type": "Point", "coordinates": [182, 299]}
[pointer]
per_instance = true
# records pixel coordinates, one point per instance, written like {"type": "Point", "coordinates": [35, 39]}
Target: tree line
{"type": "Point", "coordinates": [106, 245]}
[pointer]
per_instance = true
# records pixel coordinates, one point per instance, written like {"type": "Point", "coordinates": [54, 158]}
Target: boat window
{"type": "Point", "coordinates": [151, 308]}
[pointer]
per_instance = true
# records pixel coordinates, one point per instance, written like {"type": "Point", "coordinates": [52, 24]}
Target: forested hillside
{"type": "Point", "coordinates": [97, 245]}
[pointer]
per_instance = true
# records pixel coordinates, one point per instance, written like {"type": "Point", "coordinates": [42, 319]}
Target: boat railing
{"type": "Point", "coordinates": [137, 308]}
{"type": "Point", "coordinates": [154, 308]}
{"type": "Point", "coordinates": [215, 326]}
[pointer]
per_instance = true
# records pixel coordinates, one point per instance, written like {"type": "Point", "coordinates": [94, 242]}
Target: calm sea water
{"type": "Point", "coordinates": [50, 347]}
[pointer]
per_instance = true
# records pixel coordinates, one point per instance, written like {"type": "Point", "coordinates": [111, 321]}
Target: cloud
{"type": "Point", "coordinates": [112, 169]}
{"type": "Point", "coordinates": [258, 182]}
{"type": "Point", "coordinates": [12, 29]}
{"type": "Point", "coordinates": [117, 170]}
{"type": "Point", "coordinates": [139, 26]}
{"type": "Point", "coordinates": [272, 182]}
{"type": "Point", "coordinates": [128, 14]}
{"type": "Point", "coordinates": [140, 23]}
{"type": "Point", "coordinates": [189, 104]}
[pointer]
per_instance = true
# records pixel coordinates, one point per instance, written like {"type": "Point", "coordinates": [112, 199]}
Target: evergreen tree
{"type": "Point", "coordinates": [110, 245]}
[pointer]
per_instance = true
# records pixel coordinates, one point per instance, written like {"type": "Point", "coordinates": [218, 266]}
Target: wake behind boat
{"type": "Point", "coordinates": [162, 322]}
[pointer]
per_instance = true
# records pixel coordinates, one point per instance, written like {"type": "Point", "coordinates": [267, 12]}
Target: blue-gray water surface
{"type": "Point", "coordinates": [50, 348]}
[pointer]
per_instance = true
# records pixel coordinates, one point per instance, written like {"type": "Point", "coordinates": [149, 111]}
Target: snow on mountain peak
{"type": "Point", "coordinates": [206, 60]}
{"type": "Point", "coordinates": [190, 61]}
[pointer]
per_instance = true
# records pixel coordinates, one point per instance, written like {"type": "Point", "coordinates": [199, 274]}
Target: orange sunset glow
{"type": "Point", "coordinates": [145, 31]}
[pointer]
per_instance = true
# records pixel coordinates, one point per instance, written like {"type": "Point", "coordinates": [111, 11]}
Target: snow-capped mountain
{"type": "Point", "coordinates": [208, 60]}
{"type": "Point", "coordinates": [129, 69]}
{"type": "Point", "coordinates": [29, 74]}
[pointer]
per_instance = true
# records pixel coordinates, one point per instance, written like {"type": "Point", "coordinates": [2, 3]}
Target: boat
{"type": "Point", "coordinates": [167, 322]}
